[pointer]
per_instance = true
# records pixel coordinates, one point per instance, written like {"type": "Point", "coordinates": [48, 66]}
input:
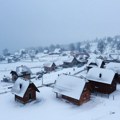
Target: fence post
{"type": "Point", "coordinates": [113, 97]}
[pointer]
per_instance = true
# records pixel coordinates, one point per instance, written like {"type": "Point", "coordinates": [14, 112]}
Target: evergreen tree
{"type": "Point", "coordinates": [101, 46]}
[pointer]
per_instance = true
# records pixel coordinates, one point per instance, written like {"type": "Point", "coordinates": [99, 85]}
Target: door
{"type": "Point", "coordinates": [30, 96]}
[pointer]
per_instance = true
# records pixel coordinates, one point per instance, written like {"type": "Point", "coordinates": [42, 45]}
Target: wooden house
{"type": "Point", "coordinates": [116, 68]}
{"type": "Point", "coordinates": [95, 63]}
{"type": "Point", "coordinates": [72, 89]}
{"type": "Point", "coordinates": [102, 80]}
{"type": "Point", "coordinates": [24, 91]}
{"type": "Point", "coordinates": [24, 72]}
{"type": "Point", "coordinates": [49, 67]}
{"type": "Point", "coordinates": [70, 62]}
{"type": "Point", "coordinates": [81, 60]}
{"type": "Point", "coordinates": [46, 51]}
{"type": "Point", "coordinates": [56, 51]}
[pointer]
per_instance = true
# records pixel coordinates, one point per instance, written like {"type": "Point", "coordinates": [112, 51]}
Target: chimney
{"type": "Point", "coordinates": [100, 75]}
{"type": "Point", "coordinates": [20, 85]}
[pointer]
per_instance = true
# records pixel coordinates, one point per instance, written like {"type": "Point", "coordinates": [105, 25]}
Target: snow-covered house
{"type": "Point", "coordinates": [46, 51]}
{"type": "Point", "coordinates": [57, 51]}
{"type": "Point", "coordinates": [48, 67]}
{"type": "Point", "coordinates": [70, 62]}
{"type": "Point", "coordinates": [24, 72]}
{"type": "Point", "coordinates": [72, 88]}
{"type": "Point", "coordinates": [82, 60]}
{"type": "Point", "coordinates": [116, 68]}
{"type": "Point", "coordinates": [24, 91]}
{"type": "Point", "coordinates": [112, 58]}
{"type": "Point", "coordinates": [102, 80]}
{"type": "Point", "coordinates": [83, 55]}
{"type": "Point", "coordinates": [95, 63]}
{"type": "Point", "coordinates": [59, 63]}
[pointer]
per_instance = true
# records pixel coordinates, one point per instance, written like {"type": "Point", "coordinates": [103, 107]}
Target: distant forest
{"type": "Point", "coordinates": [101, 44]}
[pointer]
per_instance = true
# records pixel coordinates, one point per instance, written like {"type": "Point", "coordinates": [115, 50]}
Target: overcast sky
{"type": "Point", "coordinates": [25, 23]}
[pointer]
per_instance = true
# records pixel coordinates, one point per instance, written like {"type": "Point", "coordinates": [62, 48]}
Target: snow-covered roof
{"type": "Point", "coordinates": [57, 50]}
{"type": "Point", "coordinates": [58, 63]}
{"type": "Point", "coordinates": [23, 68]}
{"type": "Point", "coordinates": [91, 60]}
{"type": "Point", "coordinates": [70, 59]}
{"type": "Point", "coordinates": [81, 59]}
{"type": "Point", "coordinates": [100, 75]}
{"type": "Point", "coordinates": [97, 61]}
{"type": "Point", "coordinates": [70, 86]}
{"type": "Point", "coordinates": [20, 87]}
{"type": "Point", "coordinates": [46, 51]}
{"type": "Point", "coordinates": [49, 64]}
{"type": "Point", "coordinates": [93, 55]}
{"type": "Point", "coordinates": [114, 66]}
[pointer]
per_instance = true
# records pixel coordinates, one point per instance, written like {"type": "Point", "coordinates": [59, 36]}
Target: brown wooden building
{"type": "Point", "coordinates": [102, 80]}
{"type": "Point", "coordinates": [49, 67]}
{"type": "Point", "coordinates": [24, 91]}
{"type": "Point", "coordinates": [73, 89]}
{"type": "Point", "coordinates": [71, 62]}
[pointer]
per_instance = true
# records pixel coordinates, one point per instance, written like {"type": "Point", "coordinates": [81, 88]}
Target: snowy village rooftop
{"type": "Point", "coordinates": [70, 86]}
{"type": "Point", "coordinates": [100, 75]}
{"type": "Point", "coordinates": [20, 87]}
{"type": "Point", "coordinates": [114, 66]}
{"type": "Point", "coordinates": [21, 69]}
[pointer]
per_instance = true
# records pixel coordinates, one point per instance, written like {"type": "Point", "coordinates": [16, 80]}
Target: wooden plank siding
{"type": "Point", "coordinates": [102, 87]}
{"type": "Point", "coordinates": [29, 95]}
{"type": "Point", "coordinates": [85, 96]}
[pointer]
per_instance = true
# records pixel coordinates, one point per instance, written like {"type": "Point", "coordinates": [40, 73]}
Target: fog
{"type": "Point", "coordinates": [25, 23]}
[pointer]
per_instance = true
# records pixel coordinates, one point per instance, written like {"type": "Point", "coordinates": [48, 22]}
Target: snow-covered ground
{"type": "Point", "coordinates": [47, 106]}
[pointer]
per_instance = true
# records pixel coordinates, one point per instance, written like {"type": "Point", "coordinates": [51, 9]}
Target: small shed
{"type": "Point", "coordinates": [49, 67]}
{"type": "Point", "coordinates": [102, 80]}
{"type": "Point", "coordinates": [24, 91]}
{"type": "Point", "coordinates": [72, 88]}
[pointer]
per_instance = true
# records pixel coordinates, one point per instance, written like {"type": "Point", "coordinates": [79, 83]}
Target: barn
{"type": "Point", "coordinates": [73, 89]}
{"type": "Point", "coordinates": [24, 91]}
{"type": "Point", "coordinates": [102, 80]}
